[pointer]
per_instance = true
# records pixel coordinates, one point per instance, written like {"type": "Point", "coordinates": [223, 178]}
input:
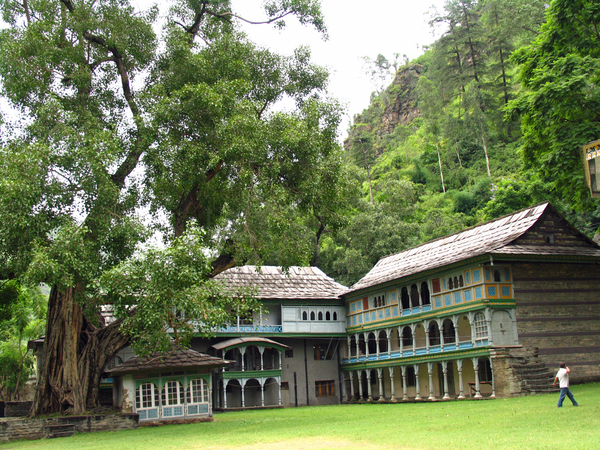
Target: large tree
{"type": "Point", "coordinates": [559, 104]}
{"type": "Point", "coordinates": [112, 120]}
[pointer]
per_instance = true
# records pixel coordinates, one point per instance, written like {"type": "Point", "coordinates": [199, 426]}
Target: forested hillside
{"type": "Point", "coordinates": [465, 133]}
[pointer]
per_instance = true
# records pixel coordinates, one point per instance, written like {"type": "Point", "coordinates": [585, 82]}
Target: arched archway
{"type": "Point", "coordinates": [233, 392]}
{"type": "Point", "coordinates": [271, 392]}
{"type": "Point", "coordinates": [434, 334]}
{"type": "Point", "coordinates": [252, 393]}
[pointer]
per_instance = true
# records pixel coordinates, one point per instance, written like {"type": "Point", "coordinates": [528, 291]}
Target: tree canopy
{"type": "Point", "coordinates": [121, 134]}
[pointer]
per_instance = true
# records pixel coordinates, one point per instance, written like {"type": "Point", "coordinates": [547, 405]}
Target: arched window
{"type": "Point", "coordinates": [450, 283]}
{"type": "Point", "coordinates": [407, 340]}
{"type": "Point", "coordinates": [414, 295]}
{"type": "Point", "coordinates": [146, 396]}
{"type": "Point", "coordinates": [481, 330]}
{"type": "Point", "coordinates": [460, 281]}
{"type": "Point", "coordinates": [405, 298]}
{"type": "Point", "coordinates": [320, 315]}
{"type": "Point", "coordinates": [312, 315]}
{"type": "Point", "coordinates": [304, 315]}
{"type": "Point", "coordinates": [327, 315]}
{"type": "Point", "coordinates": [425, 293]}
{"type": "Point", "coordinates": [434, 334]}
{"type": "Point", "coordinates": [335, 315]}
{"type": "Point", "coordinates": [198, 391]}
{"type": "Point", "coordinates": [455, 282]}
{"type": "Point", "coordinates": [497, 276]}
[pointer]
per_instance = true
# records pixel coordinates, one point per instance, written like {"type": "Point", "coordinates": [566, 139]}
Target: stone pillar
{"type": "Point", "coordinates": [389, 342]}
{"type": "Point", "coordinates": [381, 392]}
{"type": "Point", "coordinates": [392, 388]}
{"type": "Point", "coordinates": [377, 347]}
{"type": "Point", "coordinates": [461, 389]}
{"type": "Point", "coordinates": [414, 341]}
{"type": "Point", "coordinates": [280, 358]}
{"type": "Point", "coordinates": [224, 394]}
{"type": "Point", "coordinates": [352, 386]}
{"type": "Point", "coordinates": [417, 383]}
{"type": "Point", "coordinates": [445, 371]}
{"type": "Point", "coordinates": [430, 372]}
{"type": "Point", "coordinates": [262, 393]}
{"type": "Point", "coordinates": [441, 331]}
{"type": "Point", "coordinates": [243, 353]}
{"type": "Point", "coordinates": [472, 329]}
{"type": "Point", "coordinates": [366, 346]}
{"type": "Point", "coordinates": [476, 370]}
{"type": "Point", "coordinates": [369, 390]}
{"type": "Point", "coordinates": [427, 340]}
{"type": "Point", "coordinates": [404, 384]}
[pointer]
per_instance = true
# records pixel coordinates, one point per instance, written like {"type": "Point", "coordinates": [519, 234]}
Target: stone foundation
{"type": "Point", "coordinates": [24, 428]}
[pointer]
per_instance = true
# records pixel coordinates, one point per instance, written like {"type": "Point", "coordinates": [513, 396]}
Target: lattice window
{"type": "Point", "coordinates": [481, 330]}
{"type": "Point", "coordinates": [146, 396]}
{"type": "Point", "coordinates": [198, 392]}
{"type": "Point", "coordinates": [173, 393]}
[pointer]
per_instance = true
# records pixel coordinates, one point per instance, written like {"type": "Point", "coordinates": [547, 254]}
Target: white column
{"type": "Point", "coordinates": [243, 385]}
{"type": "Point", "coordinates": [262, 393]}
{"type": "Point", "coordinates": [476, 369]}
{"type": "Point", "coordinates": [430, 372]}
{"type": "Point", "coordinates": [456, 335]}
{"type": "Point", "coordinates": [380, 377]}
{"type": "Point", "coordinates": [461, 389]}
{"type": "Point", "coordinates": [280, 358]}
{"type": "Point", "coordinates": [413, 333]}
{"type": "Point", "coordinates": [441, 331]}
{"type": "Point", "coordinates": [348, 340]}
{"type": "Point", "coordinates": [262, 359]}
{"type": "Point", "coordinates": [369, 390]}
{"type": "Point", "coordinates": [404, 384]}
{"type": "Point", "coordinates": [400, 340]}
{"type": "Point", "coordinates": [493, 380]}
{"type": "Point", "coordinates": [426, 339]}
{"type": "Point", "coordinates": [392, 387]}
{"type": "Point", "coordinates": [417, 383]}
{"type": "Point", "coordinates": [389, 342]}
{"type": "Point", "coordinates": [360, 387]}
{"type": "Point", "coordinates": [488, 320]}
{"type": "Point", "coordinates": [352, 386]}
{"type": "Point", "coordinates": [445, 371]}
{"type": "Point", "coordinates": [279, 390]}
{"type": "Point", "coordinates": [224, 394]}
{"type": "Point", "coordinates": [243, 352]}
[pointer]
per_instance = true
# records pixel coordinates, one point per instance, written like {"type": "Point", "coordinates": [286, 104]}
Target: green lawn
{"type": "Point", "coordinates": [518, 423]}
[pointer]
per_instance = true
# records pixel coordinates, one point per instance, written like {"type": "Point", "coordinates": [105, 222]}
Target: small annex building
{"type": "Point", "coordinates": [166, 386]}
{"type": "Point", "coordinates": [462, 315]}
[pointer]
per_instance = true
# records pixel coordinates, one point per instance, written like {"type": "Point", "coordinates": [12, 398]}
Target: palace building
{"type": "Point", "coordinates": [487, 312]}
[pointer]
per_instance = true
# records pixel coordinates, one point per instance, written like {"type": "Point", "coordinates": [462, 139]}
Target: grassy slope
{"type": "Point", "coordinates": [518, 423]}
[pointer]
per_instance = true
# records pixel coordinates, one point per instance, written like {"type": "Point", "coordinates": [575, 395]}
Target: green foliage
{"type": "Point", "coordinates": [22, 318]}
{"type": "Point", "coordinates": [560, 100]}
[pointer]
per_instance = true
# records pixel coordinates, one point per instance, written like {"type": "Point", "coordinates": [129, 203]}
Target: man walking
{"type": "Point", "coordinates": [562, 376]}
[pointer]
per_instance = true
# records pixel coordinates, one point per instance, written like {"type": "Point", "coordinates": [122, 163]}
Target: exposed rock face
{"type": "Point", "coordinates": [402, 108]}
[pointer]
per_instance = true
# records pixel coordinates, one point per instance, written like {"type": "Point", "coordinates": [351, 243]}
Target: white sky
{"type": "Point", "coordinates": [356, 28]}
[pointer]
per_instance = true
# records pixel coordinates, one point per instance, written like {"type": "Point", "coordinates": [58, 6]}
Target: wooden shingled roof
{"type": "Point", "coordinates": [178, 358]}
{"type": "Point", "coordinates": [503, 236]}
{"type": "Point", "coordinates": [273, 282]}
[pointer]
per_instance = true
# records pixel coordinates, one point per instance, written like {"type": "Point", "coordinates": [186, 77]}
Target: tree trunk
{"type": "Point", "coordinates": [487, 159]}
{"type": "Point", "coordinates": [440, 163]}
{"type": "Point", "coordinates": [74, 356]}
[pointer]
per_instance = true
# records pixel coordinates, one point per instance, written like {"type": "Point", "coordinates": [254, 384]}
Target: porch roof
{"type": "Point", "coordinates": [249, 340]}
{"type": "Point", "coordinates": [175, 359]}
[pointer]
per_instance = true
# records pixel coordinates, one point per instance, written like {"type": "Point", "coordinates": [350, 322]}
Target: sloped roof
{"type": "Point", "coordinates": [273, 282]}
{"type": "Point", "coordinates": [491, 237]}
{"type": "Point", "coordinates": [175, 359]}
{"type": "Point", "coordinates": [247, 340]}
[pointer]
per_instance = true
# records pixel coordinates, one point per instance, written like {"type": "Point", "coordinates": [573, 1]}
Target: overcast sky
{"type": "Point", "coordinates": [356, 29]}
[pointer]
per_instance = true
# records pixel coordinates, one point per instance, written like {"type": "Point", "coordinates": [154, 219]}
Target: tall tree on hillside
{"type": "Point", "coordinates": [560, 99]}
{"type": "Point", "coordinates": [112, 120]}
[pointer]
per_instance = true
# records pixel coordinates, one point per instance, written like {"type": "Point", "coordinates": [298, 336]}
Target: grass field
{"type": "Point", "coordinates": [518, 423]}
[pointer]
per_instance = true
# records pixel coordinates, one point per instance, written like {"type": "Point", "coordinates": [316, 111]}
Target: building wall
{"type": "Point", "coordinates": [558, 315]}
